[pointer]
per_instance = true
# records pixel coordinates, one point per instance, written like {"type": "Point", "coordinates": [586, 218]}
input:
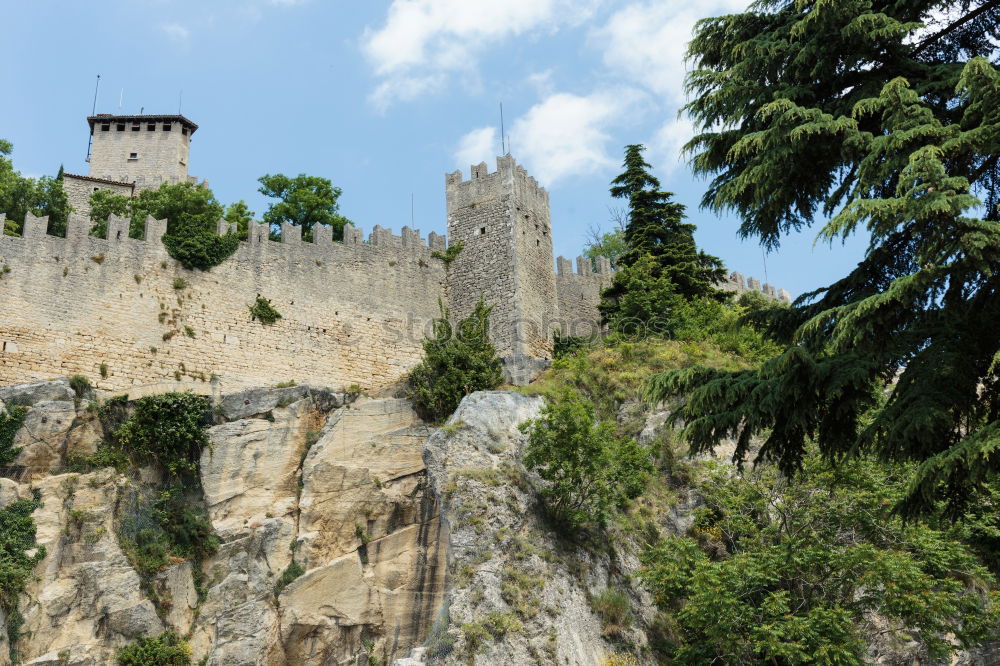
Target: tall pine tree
{"type": "Point", "coordinates": [885, 116]}
{"type": "Point", "coordinates": [660, 255]}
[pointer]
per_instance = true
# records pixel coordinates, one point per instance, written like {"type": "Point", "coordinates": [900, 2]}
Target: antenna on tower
{"type": "Point", "coordinates": [503, 141]}
{"type": "Point", "coordinates": [180, 100]}
{"type": "Point", "coordinates": [411, 210]}
{"type": "Point", "coordinates": [93, 112]}
{"type": "Point", "coordinates": [763, 255]}
{"type": "Point", "coordinates": [121, 99]}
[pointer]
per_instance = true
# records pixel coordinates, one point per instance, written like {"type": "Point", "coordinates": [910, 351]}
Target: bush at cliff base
{"type": "Point", "coordinates": [457, 362]}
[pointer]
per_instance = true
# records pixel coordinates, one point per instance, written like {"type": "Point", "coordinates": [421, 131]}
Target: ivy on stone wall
{"type": "Point", "coordinates": [11, 420]}
{"type": "Point", "coordinates": [17, 537]}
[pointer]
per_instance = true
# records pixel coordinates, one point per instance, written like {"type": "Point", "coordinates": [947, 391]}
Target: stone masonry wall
{"type": "Point", "coordinates": [161, 157]}
{"type": "Point", "coordinates": [578, 295]}
{"type": "Point", "coordinates": [480, 218]}
{"type": "Point", "coordinates": [533, 267]}
{"type": "Point", "coordinates": [78, 191]}
{"type": "Point", "coordinates": [352, 312]}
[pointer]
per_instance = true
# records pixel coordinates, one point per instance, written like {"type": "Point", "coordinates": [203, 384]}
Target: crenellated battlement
{"type": "Point", "coordinates": [585, 267]}
{"type": "Point", "coordinates": [510, 178]}
{"type": "Point", "coordinates": [735, 282]}
{"type": "Point", "coordinates": [79, 240]}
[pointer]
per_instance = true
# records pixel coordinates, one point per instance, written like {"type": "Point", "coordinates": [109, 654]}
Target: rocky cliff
{"type": "Point", "coordinates": [395, 535]}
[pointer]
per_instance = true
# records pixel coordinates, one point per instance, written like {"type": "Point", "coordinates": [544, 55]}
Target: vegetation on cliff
{"type": "Point", "coordinates": [17, 563]}
{"type": "Point", "coordinates": [168, 433]}
{"type": "Point", "coordinates": [163, 650]}
{"type": "Point", "coordinates": [11, 419]}
{"type": "Point", "coordinates": [458, 360]}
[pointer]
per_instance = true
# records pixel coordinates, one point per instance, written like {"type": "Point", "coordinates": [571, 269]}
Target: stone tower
{"type": "Point", "coordinates": [132, 153]}
{"type": "Point", "coordinates": [502, 220]}
{"type": "Point", "coordinates": [144, 150]}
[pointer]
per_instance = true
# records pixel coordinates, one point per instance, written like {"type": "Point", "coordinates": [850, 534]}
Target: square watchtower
{"type": "Point", "coordinates": [144, 150]}
{"type": "Point", "coordinates": [502, 220]}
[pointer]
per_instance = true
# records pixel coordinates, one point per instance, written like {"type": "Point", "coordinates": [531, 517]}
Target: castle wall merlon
{"type": "Point", "coordinates": [258, 233]}
{"type": "Point", "coordinates": [291, 234]}
{"type": "Point", "coordinates": [437, 242]}
{"type": "Point", "coordinates": [353, 235]}
{"type": "Point", "coordinates": [78, 226]}
{"type": "Point", "coordinates": [34, 227]}
{"type": "Point", "coordinates": [583, 266]}
{"type": "Point", "coordinates": [564, 266]}
{"type": "Point", "coordinates": [322, 235]}
{"type": "Point", "coordinates": [222, 227]}
{"type": "Point", "coordinates": [156, 228]}
{"type": "Point", "coordinates": [118, 228]}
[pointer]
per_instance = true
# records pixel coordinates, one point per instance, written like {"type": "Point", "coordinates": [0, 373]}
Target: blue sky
{"type": "Point", "coordinates": [386, 97]}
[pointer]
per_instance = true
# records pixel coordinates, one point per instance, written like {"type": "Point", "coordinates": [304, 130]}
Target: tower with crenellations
{"type": "Point", "coordinates": [503, 222]}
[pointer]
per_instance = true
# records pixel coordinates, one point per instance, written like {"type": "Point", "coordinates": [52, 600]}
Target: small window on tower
{"type": "Point", "coordinates": [133, 157]}
{"type": "Point", "coordinates": [135, 127]}
{"type": "Point", "coordinates": [184, 131]}
{"type": "Point", "coordinates": [120, 127]}
{"type": "Point", "coordinates": [96, 188]}
{"type": "Point", "coordinates": [166, 127]}
{"type": "Point", "coordinates": [105, 127]}
{"type": "Point", "coordinates": [150, 127]}
{"type": "Point", "coordinates": [482, 231]}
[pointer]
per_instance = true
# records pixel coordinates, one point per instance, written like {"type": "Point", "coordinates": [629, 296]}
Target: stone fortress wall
{"type": "Point", "coordinates": [352, 313]}
{"type": "Point", "coordinates": [126, 315]}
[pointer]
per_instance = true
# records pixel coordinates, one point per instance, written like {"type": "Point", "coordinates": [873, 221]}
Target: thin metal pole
{"type": "Point", "coordinates": [503, 140]}
{"type": "Point", "coordinates": [93, 112]}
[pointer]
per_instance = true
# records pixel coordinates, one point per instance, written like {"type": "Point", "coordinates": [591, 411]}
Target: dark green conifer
{"type": "Point", "coordinates": [885, 116]}
{"type": "Point", "coordinates": [659, 248]}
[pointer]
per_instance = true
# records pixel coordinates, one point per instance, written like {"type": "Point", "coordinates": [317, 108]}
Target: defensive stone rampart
{"type": "Point", "coordinates": [122, 312]}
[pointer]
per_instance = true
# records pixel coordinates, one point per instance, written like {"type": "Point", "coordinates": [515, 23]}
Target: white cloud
{"type": "Point", "coordinates": [566, 135]}
{"type": "Point", "coordinates": [668, 144]}
{"type": "Point", "coordinates": [479, 145]}
{"type": "Point", "coordinates": [646, 41]}
{"type": "Point", "coordinates": [176, 32]}
{"type": "Point", "coordinates": [424, 39]}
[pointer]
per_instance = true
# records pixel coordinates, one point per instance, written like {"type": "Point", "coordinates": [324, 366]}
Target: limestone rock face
{"type": "Point", "coordinates": [43, 436]}
{"type": "Point", "coordinates": [87, 600]}
{"type": "Point", "coordinates": [29, 394]}
{"type": "Point", "coordinates": [517, 594]}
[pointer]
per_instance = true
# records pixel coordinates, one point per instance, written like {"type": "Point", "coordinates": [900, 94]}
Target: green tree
{"type": "Point", "coordinates": [590, 471]}
{"type": "Point", "coordinates": [191, 211]}
{"type": "Point", "coordinates": [884, 116]}
{"type": "Point", "coordinates": [778, 573]}
{"type": "Point", "coordinates": [20, 195]}
{"type": "Point", "coordinates": [656, 229]}
{"type": "Point", "coordinates": [457, 361]}
{"type": "Point", "coordinates": [240, 214]}
{"type": "Point", "coordinates": [304, 201]}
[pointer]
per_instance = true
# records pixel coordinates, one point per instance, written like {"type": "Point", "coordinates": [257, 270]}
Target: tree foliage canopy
{"type": "Point", "coordinates": [20, 195]}
{"type": "Point", "coordinates": [660, 264]}
{"type": "Point", "coordinates": [192, 213]}
{"type": "Point", "coordinates": [884, 116]}
{"type": "Point", "coordinates": [782, 573]}
{"type": "Point", "coordinates": [304, 201]}
{"type": "Point", "coordinates": [457, 361]}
